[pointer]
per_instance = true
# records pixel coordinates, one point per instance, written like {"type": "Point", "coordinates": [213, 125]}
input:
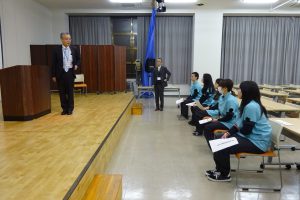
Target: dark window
{"type": "Point", "coordinates": [125, 34]}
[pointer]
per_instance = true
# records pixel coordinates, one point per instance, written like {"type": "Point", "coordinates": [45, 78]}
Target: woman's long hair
{"type": "Point", "coordinates": [208, 84]}
{"type": "Point", "coordinates": [250, 91]}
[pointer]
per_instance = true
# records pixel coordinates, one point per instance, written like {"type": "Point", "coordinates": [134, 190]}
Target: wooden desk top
{"type": "Point", "coordinates": [291, 86]}
{"type": "Point", "coordinates": [294, 91]}
{"type": "Point", "coordinates": [272, 94]}
{"type": "Point", "coordinates": [271, 87]}
{"type": "Point", "coordinates": [237, 86]}
{"type": "Point", "coordinates": [296, 100]}
{"type": "Point", "coordinates": [292, 131]}
{"type": "Point", "coordinates": [277, 107]}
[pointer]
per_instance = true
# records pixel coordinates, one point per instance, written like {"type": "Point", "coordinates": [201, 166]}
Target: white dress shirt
{"type": "Point", "coordinates": [67, 58]}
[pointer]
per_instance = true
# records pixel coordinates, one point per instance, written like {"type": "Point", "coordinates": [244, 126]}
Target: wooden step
{"type": "Point", "coordinates": [105, 187]}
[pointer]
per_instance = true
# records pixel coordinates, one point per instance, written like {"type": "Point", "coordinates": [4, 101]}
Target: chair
{"type": "Point", "coordinates": [276, 132]}
{"type": "Point", "coordinates": [79, 83]}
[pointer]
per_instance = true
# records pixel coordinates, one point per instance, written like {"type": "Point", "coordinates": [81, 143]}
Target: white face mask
{"type": "Point", "coordinates": [220, 90]}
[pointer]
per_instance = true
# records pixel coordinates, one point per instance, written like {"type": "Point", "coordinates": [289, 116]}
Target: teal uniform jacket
{"type": "Point", "coordinates": [196, 86]}
{"type": "Point", "coordinates": [226, 103]}
{"type": "Point", "coordinates": [262, 131]}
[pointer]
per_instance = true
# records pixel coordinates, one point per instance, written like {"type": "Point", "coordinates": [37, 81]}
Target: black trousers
{"type": "Point", "coordinates": [185, 108]}
{"type": "Point", "coordinates": [210, 128]}
{"type": "Point", "coordinates": [66, 91]}
{"type": "Point", "coordinates": [198, 114]}
{"type": "Point", "coordinates": [159, 94]}
{"type": "Point", "coordinates": [222, 158]}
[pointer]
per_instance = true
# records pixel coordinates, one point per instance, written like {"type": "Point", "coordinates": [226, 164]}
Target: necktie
{"type": "Point", "coordinates": [66, 56]}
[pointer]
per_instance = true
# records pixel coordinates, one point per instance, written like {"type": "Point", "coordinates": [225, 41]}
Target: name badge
{"type": "Point", "coordinates": [158, 78]}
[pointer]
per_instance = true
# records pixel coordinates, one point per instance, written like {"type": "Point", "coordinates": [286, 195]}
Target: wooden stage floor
{"type": "Point", "coordinates": [40, 159]}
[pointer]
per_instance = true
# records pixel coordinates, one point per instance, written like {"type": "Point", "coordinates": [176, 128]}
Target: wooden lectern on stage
{"type": "Point", "coordinates": [25, 92]}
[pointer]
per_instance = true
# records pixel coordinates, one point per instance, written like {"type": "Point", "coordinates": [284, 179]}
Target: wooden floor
{"type": "Point", "coordinates": [41, 159]}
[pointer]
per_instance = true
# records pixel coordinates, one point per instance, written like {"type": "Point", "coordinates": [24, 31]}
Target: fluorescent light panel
{"type": "Point", "coordinates": [126, 1]}
{"type": "Point", "coordinates": [259, 1]}
{"type": "Point", "coordinates": [181, 1]}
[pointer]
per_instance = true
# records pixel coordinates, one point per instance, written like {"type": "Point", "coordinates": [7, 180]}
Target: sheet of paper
{"type": "Point", "coordinates": [199, 105]}
{"type": "Point", "coordinates": [204, 121]}
{"type": "Point", "coordinates": [179, 101]}
{"type": "Point", "coordinates": [219, 144]}
{"type": "Point", "coordinates": [284, 123]}
{"type": "Point", "coordinates": [191, 104]}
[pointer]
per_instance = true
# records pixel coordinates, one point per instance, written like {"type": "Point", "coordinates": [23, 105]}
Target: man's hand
{"type": "Point", "coordinates": [53, 79]}
{"type": "Point", "coordinates": [75, 67]}
{"type": "Point", "coordinates": [225, 135]}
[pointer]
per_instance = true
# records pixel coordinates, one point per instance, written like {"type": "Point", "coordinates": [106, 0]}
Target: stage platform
{"type": "Point", "coordinates": [55, 156]}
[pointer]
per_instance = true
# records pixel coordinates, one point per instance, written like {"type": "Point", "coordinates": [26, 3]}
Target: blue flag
{"type": "Point", "coordinates": [150, 53]}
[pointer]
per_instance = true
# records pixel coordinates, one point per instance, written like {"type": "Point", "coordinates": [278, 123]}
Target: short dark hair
{"type": "Point", "coordinates": [159, 59]}
{"type": "Point", "coordinates": [218, 80]}
{"type": "Point", "coordinates": [64, 33]}
{"type": "Point", "coordinates": [226, 83]}
{"type": "Point", "coordinates": [196, 75]}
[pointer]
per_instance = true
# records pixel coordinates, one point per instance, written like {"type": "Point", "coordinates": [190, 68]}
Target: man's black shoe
{"type": "Point", "coordinates": [63, 113]}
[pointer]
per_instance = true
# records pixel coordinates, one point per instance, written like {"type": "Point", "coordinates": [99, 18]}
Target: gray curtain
{"type": "Point", "coordinates": [90, 30]}
{"type": "Point", "coordinates": [262, 49]}
{"type": "Point", "coordinates": [173, 42]}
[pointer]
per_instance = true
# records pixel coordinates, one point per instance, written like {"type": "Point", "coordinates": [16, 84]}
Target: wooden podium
{"type": "Point", "coordinates": [25, 92]}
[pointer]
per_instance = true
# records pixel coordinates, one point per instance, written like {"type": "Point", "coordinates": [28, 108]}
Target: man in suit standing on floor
{"type": "Point", "coordinates": [65, 60]}
{"type": "Point", "coordinates": [160, 77]}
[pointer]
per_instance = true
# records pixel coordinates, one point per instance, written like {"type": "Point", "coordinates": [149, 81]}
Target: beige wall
{"type": "Point", "coordinates": [24, 22]}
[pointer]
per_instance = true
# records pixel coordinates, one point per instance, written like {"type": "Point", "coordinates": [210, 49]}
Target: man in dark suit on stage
{"type": "Point", "coordinates": [65, 60]}
{"type": "Point", "coordinates": [160, 77]}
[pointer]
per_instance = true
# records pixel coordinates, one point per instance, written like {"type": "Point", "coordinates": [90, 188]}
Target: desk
{"type": "Point", "coordinates": [274, 95]}
{"type": "Point", "coordinates": [236, 86]}
{"type": "Point", "coordinates": [297, 92]}
{"type": "Point", "coordinates": [273, 106]}
{"type": "Point", "coordinates": [151, 89]}
{"type": "Point", "coordinates": [271, 87]}
{"type": "Point", "coordinates": [292, 132]}
{"type": "Point", "coordinates": [293, 100]}
{"type": "Point", "coordinates": [293, 87]}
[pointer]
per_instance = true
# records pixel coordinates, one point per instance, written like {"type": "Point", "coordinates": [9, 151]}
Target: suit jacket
{"type": "Point", "coordinates": [163, 75]}
{"type": "Point", "coordinates": [57, 60]}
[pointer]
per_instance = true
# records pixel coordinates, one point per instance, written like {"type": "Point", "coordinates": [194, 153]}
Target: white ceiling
{"type": "Point", "coordinates": [105, 4]}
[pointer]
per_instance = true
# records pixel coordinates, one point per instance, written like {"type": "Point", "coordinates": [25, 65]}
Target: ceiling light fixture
{"type": "Point", "coordinates": [259, 1]}
{"type": "Point", "coordinates": [181, 1]}
{"type": "Point", "coordinates": [126, 1]}
{"type": "Point", "coordinates": [282, 4]}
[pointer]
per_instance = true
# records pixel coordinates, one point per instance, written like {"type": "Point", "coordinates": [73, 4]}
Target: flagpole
{"type": "Point", "coordinates": [150, 51]}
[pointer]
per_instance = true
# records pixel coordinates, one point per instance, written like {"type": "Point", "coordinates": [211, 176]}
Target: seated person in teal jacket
{"type": "Point", "coordinates": [227, 110]}
{"type": "Point", "coordinates": [195, 94]}
{"type": "Point", "coordinates": [197, 113]}
{"type": "Point", "coordinates": [252, 130]}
